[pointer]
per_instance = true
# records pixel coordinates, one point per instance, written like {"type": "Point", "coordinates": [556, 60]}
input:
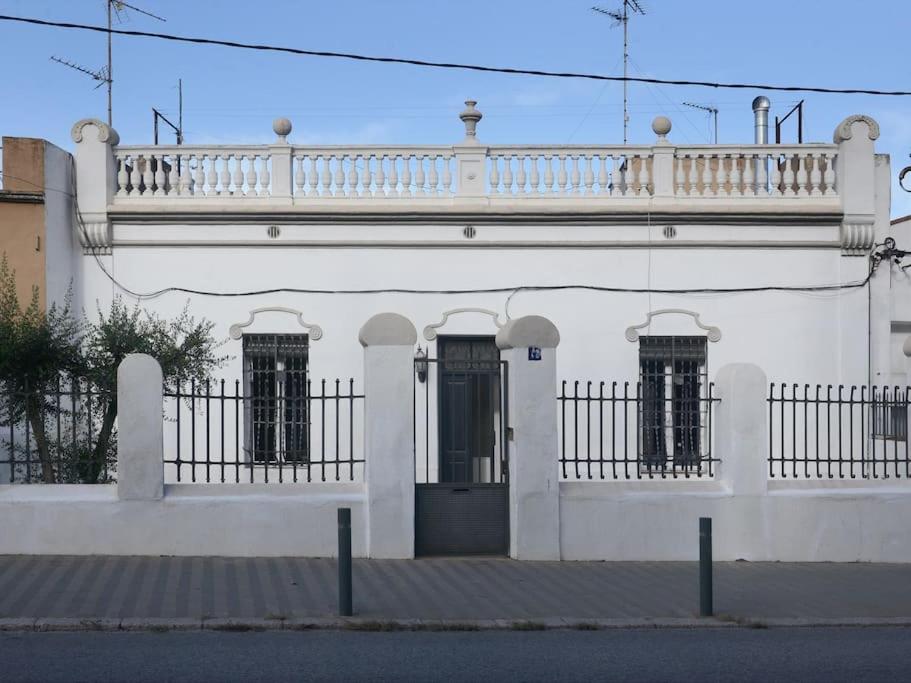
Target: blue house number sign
{"type": "Point", "coordinates": [534, 353]}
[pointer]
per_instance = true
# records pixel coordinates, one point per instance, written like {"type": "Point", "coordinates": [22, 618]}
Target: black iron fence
{"type": "Point", "coordinates": [827, 432]}
{"type": "Point", "coordinates": [58, 432]}
{"type": "Point", "coordinates": [300, 431]}
{"type": "Point", "coordinates": [634, 431]}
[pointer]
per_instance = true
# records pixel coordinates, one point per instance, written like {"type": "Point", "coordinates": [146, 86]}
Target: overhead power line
{"type": "Point", "coordinates": [455, 65]}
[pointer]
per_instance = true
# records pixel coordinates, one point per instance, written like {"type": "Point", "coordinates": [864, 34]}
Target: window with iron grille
{"type": "Point", "coordinates": [673, 380]}
{"type": "Point", "coordinates": [890, 420]}
{"type": "Point", "coordinates": [276, 407]}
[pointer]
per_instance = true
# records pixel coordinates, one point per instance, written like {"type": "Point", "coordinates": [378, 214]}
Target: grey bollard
{"type": "Point", "coordinates": [344, 562]}
{"type": "Point", "coordinates": [706, 607]}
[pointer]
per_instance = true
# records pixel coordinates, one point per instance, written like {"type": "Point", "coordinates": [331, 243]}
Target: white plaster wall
{"type": "Point", "coordinates": [795, 337]}
{"type": "Point", "coordinates": [242, 520]}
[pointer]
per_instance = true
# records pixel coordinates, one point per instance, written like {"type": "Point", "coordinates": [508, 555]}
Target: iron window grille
{"type": "Point", "coordinates": [890, 420]}
{"type": "Point", "coordinates": [276, 415]}
{"type": "Point", "coordinates": [674, 403]}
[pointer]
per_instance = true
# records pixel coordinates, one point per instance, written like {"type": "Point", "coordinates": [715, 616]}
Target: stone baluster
{"type": "Point", "coordinates": [534, 176]}
{"type": "Point", "coordinates": [353, 179]}
{"type": "Point", "coordinates": [300, 178]}
{"type": "Point", "coordinates": [613, 175]}
{"type": "Point", "coordinates": [602, 174]}
{"type": "Point", "coordinates": [394, 175]}
{"type": "Point", "coordinates": [224, 176]}
{"type": "Point", "coordinates": [420, 177]}
{"type": "Point", "coordinates": [314, 176]}
{"type": "Point", "coordinates": [829, 176]}
{"type": "Point", "coordinates": [123, 178]}
{"type": "Point", "coordinates": [238, 176]}
{"type": "Point", "coordinates": [494, 174]}
{"type": "Point", "coordinates": [576, 177]}
{"type": "Point", "coordinates": [749, 180]}
{"type": "Point", "coordinates": [589, 176]}
{"type": "Point", "coordinates": [644, 176]}
{"type": "Point", "coordinates": [521, 178]}
{"type": "Point", "coordinates": [721, 176]}
{"type": "Point", "coordinates": [251, 175]}
{"type": "Point", "coordinates": [776, 175]}
{"type": "Point", "coordinates": [380, 175]}
{"type": "Point", "coordinates": [265, 176]}
{"type": "Point", "coordinates": [693, 176]}
{"type": "Point", "coordinates": [339, 176]}
{"type": "Point", "coordinates": [447, 175]}
{"type": "Point", "coordinates": [434, 178]}
{"type": "Point", "coordinates": [815, 175]}
{"type": "Point", "coordinates": [561, 175]}
{"type": "Point", "coordinates": [707, 189]}
{"type": "Point", "coordinates": [407, 188]}
{"type": "Point", "coordinates": [788, 177]}
{"type": "Point", "coordinates": [623, 171]}
{"type": "Point", "coordinates": [185, 183]}
{"type": "Point", "coordinates": [147, 176]}
{"type": "Point", "coordinates": [367, 176]}
{"type": "Point", "coordinates": [735, 175]}
{"type": "Point", "coordinates": [762, 174]}
{"type": "Point", "coordinates": [679, 177]}
{"type": "Point", "coordinates": [507, 174]}
{"type": "Point", "coordinates": [212, 175]}
{"type": "Point", "coordinates": [802, 176]}
{"type": "Point", "coordinates": [325, 176]}
{"type": "Point", "coordinates": [160, 176]}
{"type": "Point", "coordinates": [548, 174]}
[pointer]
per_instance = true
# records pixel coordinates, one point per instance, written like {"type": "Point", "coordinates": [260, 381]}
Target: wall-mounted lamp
{"type": "Point", "coordinates": [420, 364]}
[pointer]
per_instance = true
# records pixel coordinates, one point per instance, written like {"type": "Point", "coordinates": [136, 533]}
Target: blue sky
{"type": "Point", "coordinates": [231, 96]}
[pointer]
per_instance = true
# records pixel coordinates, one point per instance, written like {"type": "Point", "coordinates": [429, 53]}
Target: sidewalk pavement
{"type": "Point", "coordinates": [189, 592]}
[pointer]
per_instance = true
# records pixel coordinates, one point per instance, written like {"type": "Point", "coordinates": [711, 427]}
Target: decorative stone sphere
{"type": "Point", "coordinates": [661, 125]}
{"type": "Point", "coordinates": [282, 127]}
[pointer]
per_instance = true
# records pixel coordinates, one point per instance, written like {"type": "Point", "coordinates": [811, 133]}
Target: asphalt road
{"type": "Point", "coordinates": [732, 654]}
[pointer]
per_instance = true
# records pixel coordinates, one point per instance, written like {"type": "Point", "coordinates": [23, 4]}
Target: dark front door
{"type": "Point", "coordinates": [469, 374]}
{"type": "Point", "coordinates": [464, 509]}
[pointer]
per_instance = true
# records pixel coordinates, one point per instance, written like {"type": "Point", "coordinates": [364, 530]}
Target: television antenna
{"type": "Point", "coordinates": [621, 16]}
{"type": "Point", "coordinates": [115, 9]}
{"type": "Point", "coordinates": [713, 111]}
{"type": "Point", "coordinates": [99, 75]}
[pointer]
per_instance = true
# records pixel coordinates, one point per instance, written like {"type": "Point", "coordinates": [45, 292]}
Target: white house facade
{"type": "Point", "coordinates": [551, 352]}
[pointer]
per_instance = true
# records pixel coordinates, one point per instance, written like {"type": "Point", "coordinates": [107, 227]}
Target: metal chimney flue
{"type": "Point", "coordinates": [761, 119]}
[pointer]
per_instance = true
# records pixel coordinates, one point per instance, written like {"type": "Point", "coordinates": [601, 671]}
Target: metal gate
{"type": "Point", "coordinates": [461, 454]}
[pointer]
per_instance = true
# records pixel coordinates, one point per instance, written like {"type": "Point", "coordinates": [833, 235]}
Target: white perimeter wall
{"type": "Point", "coordinates": [795, 522]}
{"type": "Point", "coordinates": [238, 520]}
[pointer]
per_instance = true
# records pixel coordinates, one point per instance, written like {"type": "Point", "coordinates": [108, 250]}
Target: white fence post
{"type": "Point", "coordinates": [280, 157]}
{"type": "Point", "coordinates": [140, 429]}
{"type": "Point", "coordinates": [662, 159]}
{"type": "Point", "coordinates": [388, 340]}
{"type": "Point", "coordinates": [529, 347]}
{"type": "Point", "coordinates": [742, 429]}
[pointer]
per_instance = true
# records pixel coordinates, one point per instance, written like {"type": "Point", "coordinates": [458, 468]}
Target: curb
{"type": "Point", "coordinates": [366, 625]}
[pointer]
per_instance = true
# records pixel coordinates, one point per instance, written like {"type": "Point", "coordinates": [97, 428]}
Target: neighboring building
{"type": "Point", "coordinates": [900, 306]}
{"type": "Point", "coordinates": [36, 207]}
